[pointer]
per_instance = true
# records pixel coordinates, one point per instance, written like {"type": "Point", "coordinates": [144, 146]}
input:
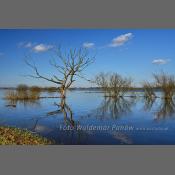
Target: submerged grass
{"type": "Point", "coordinates": [22, 95]}
{"type": "Point", "coordinates": [16, 136]}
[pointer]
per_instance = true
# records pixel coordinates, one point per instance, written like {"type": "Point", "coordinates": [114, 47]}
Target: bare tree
{"type": "Point", "coordinates": [102, 80]}
{"type": "Point", "coordinates": [113, 84]}
{"type": "Point", "coordinates": [148, 90]}
{"type": "Point", "coordinates": [69, 66]}
{"type": "Point", "coordinates": [166, 83]}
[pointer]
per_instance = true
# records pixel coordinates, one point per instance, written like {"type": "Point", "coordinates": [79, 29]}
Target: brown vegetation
{"type": "Point", "coordinates": [113, 84]}
{"type": "Point", "coordinates": [22, 93]}
{"type": "Point", "coordinates": [166, 83]}
{"type": "Point", "coordinates": [148, 90]}
{"type": "Point", "coordinates": [16, 136]}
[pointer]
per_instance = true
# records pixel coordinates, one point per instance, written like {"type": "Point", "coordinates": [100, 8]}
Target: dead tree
{"type": "Point", "coordinates": [102, 81]}
{"type": "Point", "coordinates": [69, 65]}
{"type": "Point", "coordinates": [113, 84]}
{"type": "Point", "coordinates": [148, 90]}
{"type": "Point", "coordinates": [166, 83]}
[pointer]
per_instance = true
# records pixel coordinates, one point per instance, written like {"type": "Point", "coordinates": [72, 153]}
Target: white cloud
{"type": "Point", "coordinates": [121, 40]}
{"type": "Point", "coordinates": [88, 45]}
{"type": "Point", "coordinates": [160, 61]}
{"type": "Point", "coordinates": [42, 48]}
{"type": "Point", "coordinates": [35, 47]}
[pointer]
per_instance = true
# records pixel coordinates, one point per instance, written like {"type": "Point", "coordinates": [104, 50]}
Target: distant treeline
{"type": "Point", "coordinates": [73, 88]}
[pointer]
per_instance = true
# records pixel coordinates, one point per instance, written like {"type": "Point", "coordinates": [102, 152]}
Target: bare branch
{"type": "Point", "coordinates": [70, 65]}
{"type": "Point", "coordinates": [113, 84]}
{"type": "Point", "coordinates": [38, 75]}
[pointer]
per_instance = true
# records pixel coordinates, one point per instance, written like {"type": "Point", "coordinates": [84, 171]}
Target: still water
{"type": "Point", "coordinates": [89, 118]}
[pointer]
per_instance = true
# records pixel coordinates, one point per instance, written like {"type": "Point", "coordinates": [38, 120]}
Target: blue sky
{"type": "Point", "coordinates": [133, 53]}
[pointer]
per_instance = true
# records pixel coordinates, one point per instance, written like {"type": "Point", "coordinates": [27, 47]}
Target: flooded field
{"type": "Point", "coordinates": [87, 117]}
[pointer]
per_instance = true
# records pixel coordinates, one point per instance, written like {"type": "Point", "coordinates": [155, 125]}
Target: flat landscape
{"type": "Point", "coordinates": [87, 87]}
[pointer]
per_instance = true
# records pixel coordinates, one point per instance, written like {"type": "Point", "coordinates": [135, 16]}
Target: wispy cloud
{"type": "Point", "coordinates": [121, 40]}
{"type": "Point", "coordinates": [35, 47]}
{"type": "Point", "coordinates": [28, 45]}
{"type": "Point", "coordinates": [42, 48]}
{"type": "Point", "coordinates": [25, 44]}
{"type": "Point", "coordinates": [160, 61]}
{"type": "Point", "coordinates": [88, 45]}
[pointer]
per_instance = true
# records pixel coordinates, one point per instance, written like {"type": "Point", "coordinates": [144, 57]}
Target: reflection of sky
{"type": "Point", "coordinates": [83, 106]}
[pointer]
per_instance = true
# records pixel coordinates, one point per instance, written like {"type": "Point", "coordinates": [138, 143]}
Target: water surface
{"type": "Point", "coordinates": [89, 118]}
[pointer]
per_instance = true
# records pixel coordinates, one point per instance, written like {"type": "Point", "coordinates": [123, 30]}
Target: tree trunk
{"type": "Point", "coordinates": [63, 92]}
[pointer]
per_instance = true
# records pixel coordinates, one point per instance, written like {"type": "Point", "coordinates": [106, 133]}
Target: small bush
{"type": "Point", "coordinates": [22, 87]}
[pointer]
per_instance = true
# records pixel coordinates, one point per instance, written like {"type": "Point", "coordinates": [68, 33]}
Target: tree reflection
{"type": "Point", "coordinates": [166, 109]}
{"type": "Point", "coordinates": [25, 103]}
{"type": "Point", "coordinates": [63, 108]}
{"type": "Point", "coordinates": [148, 103]}
{"type": "Point", "coordinates": [115, 107]}
{"type": "Point", "coordinates": [63, 136]}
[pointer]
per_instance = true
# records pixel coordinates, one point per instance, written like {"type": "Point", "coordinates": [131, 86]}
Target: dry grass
{"type": "Point", "coordinates": [16, 136]}
{"type": "Point", "coordinates": [22, 95]}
